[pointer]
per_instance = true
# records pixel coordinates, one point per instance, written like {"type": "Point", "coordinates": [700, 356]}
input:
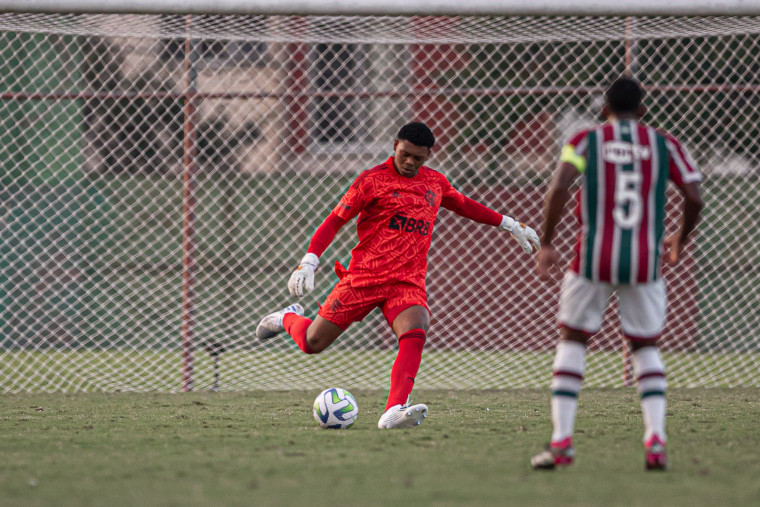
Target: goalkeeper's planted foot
{"type": "Point", "coordinates": [271, 325]}
{"type": "Point", "coordinates": [403, 416]}
{"type": "Point", "coordinates": [556, 454]}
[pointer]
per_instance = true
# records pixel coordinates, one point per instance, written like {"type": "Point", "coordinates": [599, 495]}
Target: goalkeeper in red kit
{"type": "Point", "coordinates": [397, 203]}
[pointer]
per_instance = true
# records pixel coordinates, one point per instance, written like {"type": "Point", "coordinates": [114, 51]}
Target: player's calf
{"type": "Point", "coordinates": [556, 454]}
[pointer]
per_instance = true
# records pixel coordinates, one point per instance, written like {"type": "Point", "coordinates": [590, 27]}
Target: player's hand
{"type": "Point", "coordinates": [546, 258]}
{"type": "Point", "coordinates": [525, 236]}
{"type": "Point", "coordinates": [302, 280]}
{"type": "Point", "coordinates": [672, 249]}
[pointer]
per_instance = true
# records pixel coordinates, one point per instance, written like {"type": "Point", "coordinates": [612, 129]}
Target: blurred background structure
{"type": "Point", "coordinates": [161, 175]}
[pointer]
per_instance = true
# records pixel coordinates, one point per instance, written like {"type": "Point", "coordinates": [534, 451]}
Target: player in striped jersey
{"type": "Point", "coordinates": [624, 167]}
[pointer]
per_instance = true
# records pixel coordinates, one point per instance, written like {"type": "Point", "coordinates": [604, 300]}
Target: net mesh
{"type": "Point", "coordinates": [162, 175]}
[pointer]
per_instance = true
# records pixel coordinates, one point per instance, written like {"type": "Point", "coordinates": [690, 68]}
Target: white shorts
{"type": "Point", "coordinates": [641, 307]}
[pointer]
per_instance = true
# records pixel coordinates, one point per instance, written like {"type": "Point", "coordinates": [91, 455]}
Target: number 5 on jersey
{"type": "Point", "coordinates": [628, 202]}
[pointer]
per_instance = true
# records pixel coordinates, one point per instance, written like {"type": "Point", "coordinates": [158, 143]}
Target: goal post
{"type": "Point", "coordinates": [391, 7]}
{"type": "Point", "coordinates": [163, 166]}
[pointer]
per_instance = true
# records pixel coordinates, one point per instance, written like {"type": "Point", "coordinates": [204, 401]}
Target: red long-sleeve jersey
{"type": "Point", "coordinates": [396, 217]}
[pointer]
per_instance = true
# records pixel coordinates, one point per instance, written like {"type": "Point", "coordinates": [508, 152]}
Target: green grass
{"type": "Point", "coordinates": [263, 448]}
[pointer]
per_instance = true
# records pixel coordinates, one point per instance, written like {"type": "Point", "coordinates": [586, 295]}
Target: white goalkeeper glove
{"type": "Point", "coordinates": [302, 280]}
{"type": "Point", "coordinates": [524, 235]}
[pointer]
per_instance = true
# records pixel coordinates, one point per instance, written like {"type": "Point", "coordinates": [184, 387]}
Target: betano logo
{"type": "Point", "coordinates": [620, 152]}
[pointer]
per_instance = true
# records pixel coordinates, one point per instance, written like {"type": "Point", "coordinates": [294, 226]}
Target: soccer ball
{"type": "Point", "coordinates": [335, 408]}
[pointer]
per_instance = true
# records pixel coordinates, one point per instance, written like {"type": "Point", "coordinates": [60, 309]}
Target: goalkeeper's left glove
{"type": "Point", "coordinates": [302, 280]}
{"type": "Point", "coordinates": [524, 235]}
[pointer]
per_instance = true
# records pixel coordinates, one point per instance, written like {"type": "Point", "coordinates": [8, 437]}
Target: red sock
{"type": "Point", "coordinates": [296, 326]}
{"type": "Point", "coordinates": [405, 366]}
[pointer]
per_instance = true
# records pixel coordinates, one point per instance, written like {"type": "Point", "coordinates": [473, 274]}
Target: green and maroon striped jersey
{"type": "Point", "coordinates": [621, 202]}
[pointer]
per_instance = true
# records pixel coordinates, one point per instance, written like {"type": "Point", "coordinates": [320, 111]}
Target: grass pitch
{"type": "Point", "coordinates": [263, 448]}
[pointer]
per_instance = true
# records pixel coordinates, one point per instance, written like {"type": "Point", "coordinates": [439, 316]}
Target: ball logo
{"type": "Point", "coordinates": [621, 152]}
{"type": "Point", "coordinates": [335, 408]}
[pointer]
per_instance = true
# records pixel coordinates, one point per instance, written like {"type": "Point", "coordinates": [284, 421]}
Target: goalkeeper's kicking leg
{"type": "Point", "coordinates": [311, 336]}
{"type": "Point", "coordinates": [343, 306]}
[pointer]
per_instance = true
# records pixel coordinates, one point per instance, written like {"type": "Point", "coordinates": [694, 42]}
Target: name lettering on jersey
{"type": "Point", "coordinates": [408, 224]}
{"type": "Point", "coordinates": [621, 152]}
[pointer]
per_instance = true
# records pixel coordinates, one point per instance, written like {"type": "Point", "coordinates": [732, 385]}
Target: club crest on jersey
{"type": "Point", "coordinates": [621, 152]}
{"type": "Point", "coordinates": [430, 198]}
{"type": "Point", "coordinates": [408, 224]}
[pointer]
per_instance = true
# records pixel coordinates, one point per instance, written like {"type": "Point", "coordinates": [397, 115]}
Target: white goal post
{"type": "Point", "coordinates": [163, 165]}
{"type": "Point", "coordinates": [392, 7]}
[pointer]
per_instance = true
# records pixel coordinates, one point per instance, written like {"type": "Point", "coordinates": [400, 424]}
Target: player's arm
{"type": "Point", "coordinates": [556, 199]}
{"type": "Point", "coordinates": [353, 201]}
{"type": "Point", "coordinates": [692, 207]}
{"type": "Point", "coordinates": [684, 173]}
{"type": "Point", "coordinates": [302, 280]}
{"type": "Point", "coordinates": [469, 208]}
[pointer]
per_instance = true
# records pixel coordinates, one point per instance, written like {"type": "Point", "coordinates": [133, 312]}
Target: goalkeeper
{"type": "Point", "coordinates": [397, 203]}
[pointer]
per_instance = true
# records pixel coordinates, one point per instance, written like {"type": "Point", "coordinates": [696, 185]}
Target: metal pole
{"type": "Point", "coordinates": [631, 48]}
{"type": "Point", "coordinates": [215, 349]}
{"type": "Point", "coordinates": [189, 202]}
{"type": "Point", "coordinates": [629, 71]}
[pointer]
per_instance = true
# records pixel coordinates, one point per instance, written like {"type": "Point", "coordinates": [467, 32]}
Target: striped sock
{"type": "Point", "coordinates": [566, 385]}
{"type": "Point", "coordinates": [650, 375]}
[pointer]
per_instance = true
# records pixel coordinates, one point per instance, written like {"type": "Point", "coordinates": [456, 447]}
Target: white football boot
{"type": "Point", "coordinates": [271, 325]}
{"type": "Point", "coordinates": [403, 416]}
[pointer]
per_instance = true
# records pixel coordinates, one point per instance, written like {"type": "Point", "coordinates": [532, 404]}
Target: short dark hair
{"type": "Point", "coordinates": [417, 133]}
{"type": "Point", "coordinates": [624, 95]}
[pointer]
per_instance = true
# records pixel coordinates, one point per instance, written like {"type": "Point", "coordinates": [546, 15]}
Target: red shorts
{"type": "Point", "coordinates": [347, 304]}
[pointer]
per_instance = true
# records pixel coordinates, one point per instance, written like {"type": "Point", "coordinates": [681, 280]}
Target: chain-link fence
{"type": "Point", "coordinates": [161, 177]}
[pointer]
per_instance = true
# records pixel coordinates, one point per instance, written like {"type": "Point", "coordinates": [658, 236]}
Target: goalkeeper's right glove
{"type": "Point", "coordinates": [302, 280]}
{"type": "Point", "coordinates": [525, 236]}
